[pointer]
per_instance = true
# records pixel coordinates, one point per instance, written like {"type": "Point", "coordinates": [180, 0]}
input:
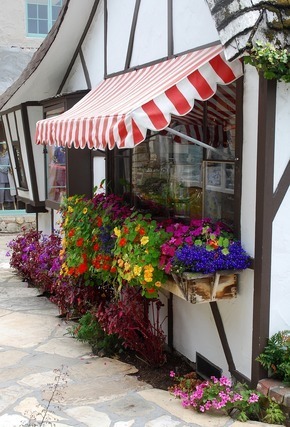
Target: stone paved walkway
{"type": "Point", "coordinates": [46, 373]}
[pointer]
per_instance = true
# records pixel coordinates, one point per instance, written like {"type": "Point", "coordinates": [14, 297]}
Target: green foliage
{"type": "Point", "coordinates": [89, 330]}
{"type": "Point", "coordinates": [273, 413]}
{"type": "Point", "coordinates": [276, 356]}
{"type": "Point", "coordinates": [273, 62]}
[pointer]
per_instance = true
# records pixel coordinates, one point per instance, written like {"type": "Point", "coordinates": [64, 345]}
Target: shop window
{"type": "Point", "coordinates": [56, 166]}
{"type": "Point", "coordinates": [41, 15]}
{"type": "Point", "coordinates": [19, 165]}
{"type": "Point", "coordinates": [175, 178]}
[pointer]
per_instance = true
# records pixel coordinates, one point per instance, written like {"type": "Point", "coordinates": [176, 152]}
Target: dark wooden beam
{"type": "Point", "coordinates": [132, 35]}
{"type": "Point", "coordinates": [264, 219]}
{"type": "Point", "coordinates": [77, 51]}
{"type": "Point", "coordinates": [170, 41]}
{"type": "Point", "coordinates": [281, 189]}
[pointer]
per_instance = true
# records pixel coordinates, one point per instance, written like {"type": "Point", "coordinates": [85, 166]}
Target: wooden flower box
{"type": "Point", "coordinates": [199, 288]}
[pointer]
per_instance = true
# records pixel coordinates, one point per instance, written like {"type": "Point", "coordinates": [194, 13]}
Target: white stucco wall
{"type": "Point", "coordinates": [280, 289]}
{"type": "Point", "coordinates": [249, 171]}
{"type": "Point", "coordinates": [13, 26]}
{"type": "Point", "coordinates": [188, 25]}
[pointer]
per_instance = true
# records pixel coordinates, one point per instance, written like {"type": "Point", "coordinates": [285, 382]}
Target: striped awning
{"type": "Point", "coordinates": [121, 109]}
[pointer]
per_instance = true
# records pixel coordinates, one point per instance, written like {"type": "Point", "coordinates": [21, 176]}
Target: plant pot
{"type": "Point", "coordinates": [199, 288]}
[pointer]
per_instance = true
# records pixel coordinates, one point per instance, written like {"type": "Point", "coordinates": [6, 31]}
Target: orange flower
{"type": "Point", "coordinates": [213, 244]}
{"type": "Point", "coordinates": [80, 242]}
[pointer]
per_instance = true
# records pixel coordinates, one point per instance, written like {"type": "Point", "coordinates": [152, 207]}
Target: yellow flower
{"type": "Point", "coordinates": [148, 268]}
{"type": "Point", "coordinates": [85, 210]}
{"type": "Point", "coordinates": [127, 266]}
{"type": "Point", "coordinates": [158, 284]}
{"type": "Point", "coordinates": [137, 270]}
{"type": "Point", "coordinates": [148, 278]}
{"type": "Point", "coordinates": [117, 232]}
{"type": "Point", "coordinates": [144, 240]}
{"type": "Point", "coordinates": [70, 209]}
{"type": "Point", "coordinates": [137, 228]}
{"type": "Point", "coordinates": [65, 222]}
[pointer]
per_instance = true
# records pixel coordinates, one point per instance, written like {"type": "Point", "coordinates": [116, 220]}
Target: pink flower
{"type": "Point", "coordinates": [172, 374]}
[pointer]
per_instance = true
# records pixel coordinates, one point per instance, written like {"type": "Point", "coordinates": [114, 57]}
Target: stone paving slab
{"type": "Point", "coordinates": [47, 376]}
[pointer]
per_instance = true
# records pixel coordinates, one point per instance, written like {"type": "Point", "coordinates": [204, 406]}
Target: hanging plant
{"type": "Point", "coordinates": [273, 62]}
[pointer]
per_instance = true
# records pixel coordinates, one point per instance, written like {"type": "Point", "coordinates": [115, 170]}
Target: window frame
{"type": "Point", "coordinates": [50, 21]}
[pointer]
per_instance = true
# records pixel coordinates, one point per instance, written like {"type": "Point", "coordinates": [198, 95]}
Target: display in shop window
{"type": "Point", "coordinates": [56, 158]}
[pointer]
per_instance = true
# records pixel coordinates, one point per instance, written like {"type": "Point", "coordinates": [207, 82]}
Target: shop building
{"type": "Point", "coordinates": [138, 92]}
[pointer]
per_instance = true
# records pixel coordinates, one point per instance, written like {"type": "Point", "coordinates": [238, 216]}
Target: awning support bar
{"type": "Point", "coordinates": [195, 141]}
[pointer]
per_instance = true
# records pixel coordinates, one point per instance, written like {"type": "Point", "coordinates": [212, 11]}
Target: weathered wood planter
{"type": "Point", "coordinates": [200, 288]}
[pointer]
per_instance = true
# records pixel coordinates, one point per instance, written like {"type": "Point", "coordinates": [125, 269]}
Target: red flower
{"type": "Point", "coordinates": [71, 271]}
{"type": "Point", "coordinates": [80, 242]}
{"type": "Point", "coordinates": [71, 232]}
{"type": "Point", "coordinates": [99, 221]}
{"type": "Point", "coordinates": [142, 232]}
{"type": "Point", "coordinates": [122, 242]}
{"type": "Point", "coordinates": [96, 247]}
{"type": "Point", "coordinates": [113, 270]}
{"type": "Point", "coordinates": [125, 230]}
{"type": "Point", "coordinates": [82, 268]}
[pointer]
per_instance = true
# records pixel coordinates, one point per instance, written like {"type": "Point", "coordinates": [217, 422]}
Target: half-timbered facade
{"type": "Point", "coordinates": [139, 92]}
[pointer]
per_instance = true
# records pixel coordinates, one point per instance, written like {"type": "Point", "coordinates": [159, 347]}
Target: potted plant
{"type": "Point", "coordinates": [203, 259]}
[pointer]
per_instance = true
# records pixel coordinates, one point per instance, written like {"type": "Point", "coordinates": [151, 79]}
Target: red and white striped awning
{"type": "Point", "coordinates": [121, 109]}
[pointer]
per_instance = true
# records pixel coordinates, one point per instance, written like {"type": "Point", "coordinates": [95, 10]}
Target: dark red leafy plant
{"type": "Point", "coordinates": [128, 318]}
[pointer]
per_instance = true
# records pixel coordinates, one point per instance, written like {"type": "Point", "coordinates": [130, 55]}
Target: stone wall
{"type": "Point", "coordinates": [15, 223]}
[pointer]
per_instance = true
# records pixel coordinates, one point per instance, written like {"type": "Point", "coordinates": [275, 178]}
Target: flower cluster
{"type": "Point", "coordinates": [137, 253]}
{"type": "Point", "coordinates": [202, 246]}
{"type": "Point", "coordinates": [88, 235]}
{"type": "Point", "coordinates": [199, 259]}
{"type": "Point", "coordinates": [220, 394]}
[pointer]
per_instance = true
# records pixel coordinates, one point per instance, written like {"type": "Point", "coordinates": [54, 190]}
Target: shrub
{"type": "Point", "coordinates": [276, 356]}
{"type": "Point", "coordinates": [128, 318]}
{"type": "Point", "coordinates": [89, 330]}
{"type": "Point", "coordinates": [35, 256]}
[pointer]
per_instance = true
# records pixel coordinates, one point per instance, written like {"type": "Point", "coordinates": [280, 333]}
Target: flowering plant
{"type": "Point", "coordinates": [220, 394]}
{"type": "Point", "coordinates": [87, 226]}
{"type": "Point", "coordinates": [202, 246]}
{"type": "Point", "coordinates": [137, 253]}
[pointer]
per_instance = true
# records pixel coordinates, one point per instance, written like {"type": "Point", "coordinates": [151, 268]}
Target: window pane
{"type": "Point", "coordinates": [167, 177]}
{"type": "Point", "coordinates": [55, 12]}
{"type": "Point", "coordinates": [32, 26]}
{"type": "Point", "coordinates": [43, 27]}
{"type": "Point", "coordinates": [221, 123]}
{"type": "Point", "coordinates": [42, 12]}
{"type": "Point", "coordinates": [32, 10]}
